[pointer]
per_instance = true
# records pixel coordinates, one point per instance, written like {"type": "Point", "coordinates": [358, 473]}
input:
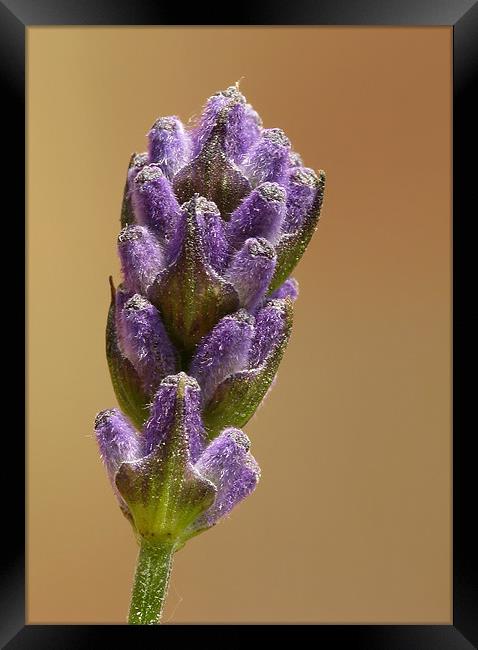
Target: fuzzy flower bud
{"type": "Point", "coordinates": [141, 257]}
{"type": "Point", "coordinates": [154, 202]}
{"type": "Point", "coordinates": [250, 271]}
{"type": "Point", "coordinates": [168, 145]}
{"type": "Point", "coordinates": [259, 215]}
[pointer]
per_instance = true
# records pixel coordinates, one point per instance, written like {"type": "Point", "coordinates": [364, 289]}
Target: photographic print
{"type": "Point", "coordinates": [345, 525]}
{"type": "Point", "coordinates": [245, 339]}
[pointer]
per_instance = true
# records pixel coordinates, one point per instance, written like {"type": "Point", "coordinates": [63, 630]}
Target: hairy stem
{"type": "Point", "coordinates": [150, 583]}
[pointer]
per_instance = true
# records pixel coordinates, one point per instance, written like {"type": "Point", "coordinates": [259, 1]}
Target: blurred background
{"type": "Point", "coordinates": [351, 521]}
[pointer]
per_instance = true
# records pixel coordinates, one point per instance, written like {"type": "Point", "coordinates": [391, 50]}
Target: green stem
{"type": "Point", "coordinates": [150, 583]}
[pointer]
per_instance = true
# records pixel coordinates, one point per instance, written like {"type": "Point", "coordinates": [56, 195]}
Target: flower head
{"type": "Point", "coordinates": [215, 218]}
{"type": "Point", "coordinates": [213, 221]}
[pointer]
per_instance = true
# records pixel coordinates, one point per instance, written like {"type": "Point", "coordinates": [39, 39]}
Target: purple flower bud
{"type": "Point", "coordinates": [222, 352]}
{"type": "Point", "coordinates": [154, 203]}
{"type": "Point", "coordinates": [145, 342]}
{"type": "Point", "coordinates": [209, 116]}
{"type": "Point", "coordinates": [227, 463]}
{"type": "Point", "coordinates": [168, 145]}
{"type": "Point", "coordinates": [238, 396]}
{"type": "Point", "coordinates": [242, 124]}
{"type": "Point", "coordinates": [141, 258]}
{"type": "Point", "coordinates": [161, 415]}
{"type": "Point", "coordinates": [251, 270]}
{"type": "Point", "coordinates": [301, 192]}
{"type": "Point", "coordinates": [268, 159]}
{"type": "Point", "coordinates": [118, 441]}
{"type": "Point", "coordinates": [136, 163]}
{"type": "Point", "coordinates": [128, 387]}
{"type": "Point", "coordinates": [259, 215]}
{"type": "Point", "coordinates": [271, 323]}
{"type": "Point", "coordinates": [289, 289]}
{"type": "Point", "coordinates": [291, 245]}
{"type": "Point", "coordinates": [212, 226]}
{"type": "Point", "coordinates": [176, 403]}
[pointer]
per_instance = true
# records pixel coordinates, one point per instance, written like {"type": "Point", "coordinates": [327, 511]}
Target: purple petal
{"type": "Point", "coordinates": [301, 193]}
{"type": "Point", "coordinates": [176, 404]}
{"type": "Point", "coordinates": [212, 226]}
{"type": "Point", "coordinates": [141, 257]}
{"type": "Point", "coordinates": [259, 215]}
{"type": "Point", "coordinates": [161, 415]}
{"type": "Point", "coordinates": [154, 202]}
{"type": "Point", "coordinates": [222, 352]}
{"type": "Point", "coordinates": [272, 323]}
{"type": "Point", "coordinates": [227, 463]}
{"type": "Point", "coordinates": [268, 159]}
{"type": "Point", "coordinates": [289, 289]}
{"type": "Point", "coordinates": [168, 145]}
{"type": "Point", "coordinates": [251, 270]}
{"type": "Point", "coordinates": [145, 342]}
{"type": "Point", "coordinates": [193, 421]}
{"type": "Point", "coordinates": [242, 123]}
{"type": "Point", "coordinates": [118, 441]}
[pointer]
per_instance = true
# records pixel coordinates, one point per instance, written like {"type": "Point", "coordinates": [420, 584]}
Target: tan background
{"type": "Point", "coordinates": [351, 522]}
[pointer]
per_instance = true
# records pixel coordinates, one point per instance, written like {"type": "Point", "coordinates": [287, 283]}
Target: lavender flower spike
{"type": "Point", "coordinates": [215, 217]}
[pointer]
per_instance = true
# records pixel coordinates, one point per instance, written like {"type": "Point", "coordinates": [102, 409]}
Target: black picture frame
{"type": "Point", "coordinates": [462, 15]}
